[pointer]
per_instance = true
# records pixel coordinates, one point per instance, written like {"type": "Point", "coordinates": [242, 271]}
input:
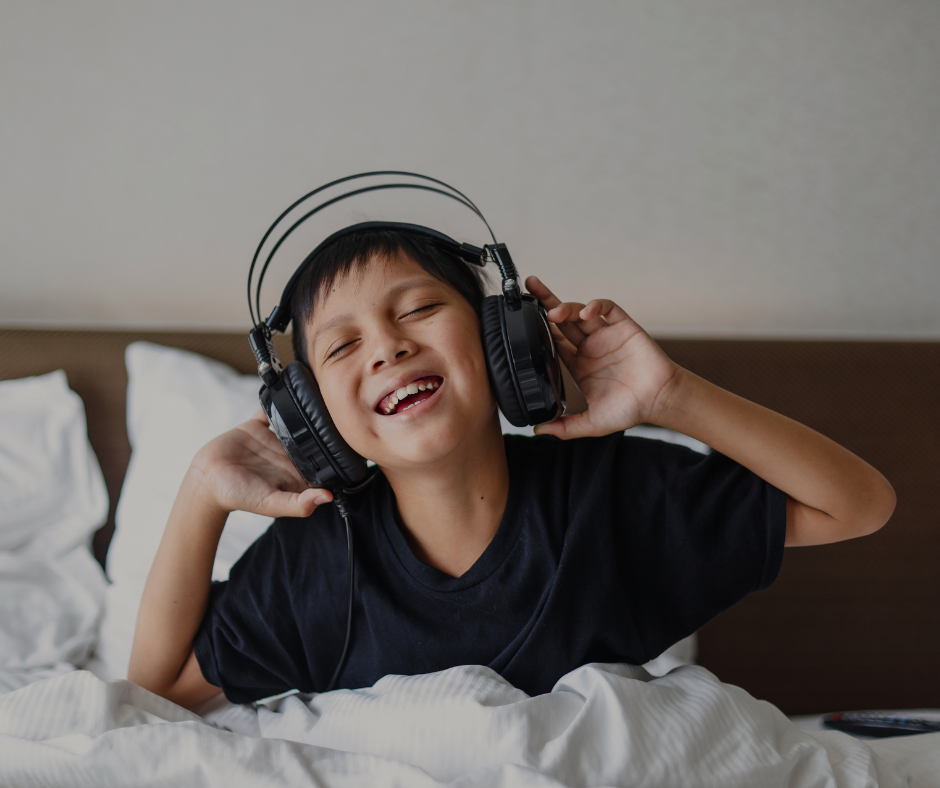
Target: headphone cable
{"type": "Point", "coordinates": [339, 500]}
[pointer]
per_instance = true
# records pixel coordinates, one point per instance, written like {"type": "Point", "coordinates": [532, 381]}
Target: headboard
{"type": "Point", "coordinates": [846, 626]}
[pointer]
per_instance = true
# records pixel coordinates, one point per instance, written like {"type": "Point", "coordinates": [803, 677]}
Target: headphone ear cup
{"type": "Point", "coordinates": [305, 391]}
{"type": "Point", "coordinates": [496, 352]}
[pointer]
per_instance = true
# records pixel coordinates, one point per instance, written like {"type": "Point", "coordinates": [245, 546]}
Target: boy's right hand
{"type": "Point", "coordinates": [246, 468]}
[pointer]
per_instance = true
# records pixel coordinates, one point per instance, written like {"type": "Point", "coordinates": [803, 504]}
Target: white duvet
{"type": "Point", "coordinates": [602, 725]}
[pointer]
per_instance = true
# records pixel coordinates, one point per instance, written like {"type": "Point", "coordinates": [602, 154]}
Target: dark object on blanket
{"type": "Point", "coordinates": [851, 625]}
{"type": "Point", "coordinates": [879, 725]}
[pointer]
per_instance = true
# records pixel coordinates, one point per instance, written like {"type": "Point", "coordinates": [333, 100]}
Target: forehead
{"type": "Point", "coordinates": [372, 284]}
{"type": "Point", "coordinates": [378, 280]}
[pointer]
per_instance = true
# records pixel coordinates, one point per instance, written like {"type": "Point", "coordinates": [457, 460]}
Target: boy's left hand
{"type": "Point", "coordinates": [625, 376]}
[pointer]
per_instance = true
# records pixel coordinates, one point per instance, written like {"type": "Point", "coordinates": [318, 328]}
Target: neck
{"type": "Point", "coordinates": [451, 510]}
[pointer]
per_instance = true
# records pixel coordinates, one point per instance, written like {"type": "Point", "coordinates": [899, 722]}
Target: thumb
{"type": "Point", "coordinates": [567, 427]}
{"type": "Point", "coordinates": [303, 504]}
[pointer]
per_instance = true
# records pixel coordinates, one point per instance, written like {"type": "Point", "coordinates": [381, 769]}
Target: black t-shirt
{"type": "Point", "coordinates": [610, 550]}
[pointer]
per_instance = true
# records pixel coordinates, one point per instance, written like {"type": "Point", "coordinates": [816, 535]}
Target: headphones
{"type": "Point", "coordinates": [520, 353]}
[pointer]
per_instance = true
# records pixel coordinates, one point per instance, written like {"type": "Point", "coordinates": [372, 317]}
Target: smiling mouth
{"type": "Point", "coordinates": [408, 396]}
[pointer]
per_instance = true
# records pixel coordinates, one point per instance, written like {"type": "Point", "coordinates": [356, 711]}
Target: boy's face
{"type": "Point", "coordinates": [384, 326]}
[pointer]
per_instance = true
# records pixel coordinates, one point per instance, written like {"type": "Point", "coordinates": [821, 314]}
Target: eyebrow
{"type": "Point", "coordinates": [389, 295]}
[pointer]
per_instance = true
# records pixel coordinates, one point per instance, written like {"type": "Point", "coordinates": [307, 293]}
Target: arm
{"type": "Point", "coordinates": [247, 469]}
{"type": "Point", "coordinates": [627, 380]}
{"type": "Point", "coordinates": [831, 493]}
{"type": "Point", "coordinates": [174, 600]}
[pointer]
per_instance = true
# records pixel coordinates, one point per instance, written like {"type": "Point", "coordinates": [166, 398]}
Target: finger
{"type": "Point", "coordinates": [566, 317]}
{"type": "Point", "coordinates": [267, 446]}
{"type": "Point", "coordinates": [288, 504]}
{"type": "Point", "coordinates": [275, 455]}
{"type": "Point", "coordinates": [564, 346]}
{"type": "Point", "coordinates": [550, 302]}
{"type": "Point", "coordinates": [545, 296]}
{"type": "Point", "coordinates": [567, 427]}
{"type": "Point", "coordinates": [320, 495]}
{"type": "Point", "coordinates": [591, 318]}
{"type": "Point", "coordinates": [568, 312]}
{"type": "Point", "coordinates": [606, 309]}
{"type": "Point", "coordinates": [260, 419]}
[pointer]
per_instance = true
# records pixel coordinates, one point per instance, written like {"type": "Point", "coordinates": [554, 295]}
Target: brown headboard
{"type": "Point", "coordinates": [846, 626]}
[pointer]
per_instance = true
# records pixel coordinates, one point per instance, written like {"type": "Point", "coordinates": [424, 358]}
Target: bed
{"type": "Point", "coordinates": [848, 626]}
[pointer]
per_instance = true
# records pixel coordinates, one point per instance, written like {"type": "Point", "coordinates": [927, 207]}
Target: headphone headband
{"type": "Point", "coordinates": [453, 194]}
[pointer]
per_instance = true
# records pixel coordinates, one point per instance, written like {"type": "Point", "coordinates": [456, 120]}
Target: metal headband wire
{"type": "Point", "coordinates": [456, 195]}
{"type": "Point", "coordinates": [338, 199]}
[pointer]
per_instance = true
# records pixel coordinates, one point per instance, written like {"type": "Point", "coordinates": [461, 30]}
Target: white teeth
{"type": "Point", "coordinates": [398, 395]}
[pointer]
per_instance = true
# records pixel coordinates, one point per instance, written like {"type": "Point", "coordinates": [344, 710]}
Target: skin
{"type": "Point", "coordinates": [445, 459]}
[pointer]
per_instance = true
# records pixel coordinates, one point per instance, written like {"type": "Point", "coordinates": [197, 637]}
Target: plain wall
{"type": "Point", "coordinates": [719, 167]}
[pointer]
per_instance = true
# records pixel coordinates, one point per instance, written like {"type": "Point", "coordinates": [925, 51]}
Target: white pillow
{"type": "Point", "coordinates": [176, 403]}
{"type": "Point", "coordinates": [49, 609]}
{"type": "Point", "coordinates": [53, 493]}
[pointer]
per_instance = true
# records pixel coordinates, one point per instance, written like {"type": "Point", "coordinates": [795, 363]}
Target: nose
{"type": "Point", "coordinates": [390, 347]}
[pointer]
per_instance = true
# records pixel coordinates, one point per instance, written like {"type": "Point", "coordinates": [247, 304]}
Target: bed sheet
{"type": "Point", "coordinates": [601, 725]}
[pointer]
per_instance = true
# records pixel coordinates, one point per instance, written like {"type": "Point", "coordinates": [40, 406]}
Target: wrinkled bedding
{"type": "Point", "coordinates": [50, 610]}
{"type": "Point", "coordinates": [602, 725]}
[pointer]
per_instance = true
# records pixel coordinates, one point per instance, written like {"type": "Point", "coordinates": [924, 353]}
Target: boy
{"type": "Point", "coordinates": [529, 555]}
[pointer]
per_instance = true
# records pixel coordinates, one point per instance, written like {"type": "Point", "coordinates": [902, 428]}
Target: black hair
{"type": "Point", "coordinates": [356, 249]}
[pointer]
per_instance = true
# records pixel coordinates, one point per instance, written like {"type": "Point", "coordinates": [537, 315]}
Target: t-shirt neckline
{"type": "Point", "coordinates": [489, 561]}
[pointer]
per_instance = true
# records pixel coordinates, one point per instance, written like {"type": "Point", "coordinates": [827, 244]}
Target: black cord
{"type": "Point", "coordinates": [339, 500]}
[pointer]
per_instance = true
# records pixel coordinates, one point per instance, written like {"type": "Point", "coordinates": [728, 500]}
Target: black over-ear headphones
{"type": "Point", "coordinates": [518, 346]}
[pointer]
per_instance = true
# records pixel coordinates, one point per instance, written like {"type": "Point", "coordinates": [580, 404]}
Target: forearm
{"type": "Point", "coordinates": [627, 380]}
{"type": "Point", "coordinates": [177, 589]}
{"type": "Point", "coordinates": [809, 467]}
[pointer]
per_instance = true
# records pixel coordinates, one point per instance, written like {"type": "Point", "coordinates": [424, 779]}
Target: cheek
{"type": "Point", "coordinates": [464, 345]}
{"type": "Point", "coordinates": [345, 412]}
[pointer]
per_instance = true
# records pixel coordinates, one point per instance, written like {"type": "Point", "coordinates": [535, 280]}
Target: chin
{"type": "Point", "coordinates": [436, 442]}
{"type": "Point", "coordinates": [421, 451]}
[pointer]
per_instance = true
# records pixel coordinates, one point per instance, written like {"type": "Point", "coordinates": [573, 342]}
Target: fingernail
{"type": "Point", "coordinates": [321, 499]}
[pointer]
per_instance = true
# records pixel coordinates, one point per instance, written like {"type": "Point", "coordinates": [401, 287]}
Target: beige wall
{"type": "Point", "coordinates": [751, 168]}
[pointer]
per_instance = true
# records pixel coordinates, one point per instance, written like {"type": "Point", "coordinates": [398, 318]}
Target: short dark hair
{"type": "Point", "coordinates": [357, 249]}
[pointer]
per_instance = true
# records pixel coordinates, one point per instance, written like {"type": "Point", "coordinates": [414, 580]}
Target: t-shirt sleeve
{"type": "Point", "coordinates": [696, 534]}
{"type": "Point", "coordinates": [248, 643]}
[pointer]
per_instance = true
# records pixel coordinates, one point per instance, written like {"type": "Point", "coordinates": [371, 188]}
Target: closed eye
{"type": "Point", "coordinates": [422, 309]}
{"type": "Point", "coordinates": [340, 349]}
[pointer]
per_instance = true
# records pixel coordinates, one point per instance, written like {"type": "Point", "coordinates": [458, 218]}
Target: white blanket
{"type": "Point", "coordinates": [602, 725]}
